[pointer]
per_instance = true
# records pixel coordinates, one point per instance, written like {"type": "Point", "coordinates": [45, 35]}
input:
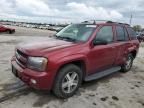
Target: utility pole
{"type": "Point", "coordinates": [130, 19]}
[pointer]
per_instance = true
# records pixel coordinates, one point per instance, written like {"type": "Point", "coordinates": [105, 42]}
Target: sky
{"type": "Point", "coordinates": [63, 11]}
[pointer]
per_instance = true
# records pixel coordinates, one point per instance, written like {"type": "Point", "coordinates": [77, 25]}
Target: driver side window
{"type": "Point", "coordinates": [105, 34]}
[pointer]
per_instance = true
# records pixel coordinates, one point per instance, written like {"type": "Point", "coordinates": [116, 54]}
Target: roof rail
{"type": "Point", "coordinates": [94, 21]}
{"type": "Point", "coordinates": [103, 21]}
{"type": "Point", "coordinates": [118, 23]}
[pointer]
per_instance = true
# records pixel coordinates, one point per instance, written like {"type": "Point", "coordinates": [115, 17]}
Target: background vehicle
{"type": "Point", "coordinates": [79, 52]}
{"type": "Point", "coordinates": [6, 29]}
{"type": "Point", "coordinates": [140, 36]}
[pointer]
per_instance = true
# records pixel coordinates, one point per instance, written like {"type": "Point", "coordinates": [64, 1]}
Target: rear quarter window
{"type": "Point", "coordinates": [132, 33]}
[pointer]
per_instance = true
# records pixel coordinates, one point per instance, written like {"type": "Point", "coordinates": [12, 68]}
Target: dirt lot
{"type": "Point", "coordinates": [115, 91]}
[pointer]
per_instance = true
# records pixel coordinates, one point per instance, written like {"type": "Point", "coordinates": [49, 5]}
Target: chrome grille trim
{"type": "Point", "coordinates": [21, 58]}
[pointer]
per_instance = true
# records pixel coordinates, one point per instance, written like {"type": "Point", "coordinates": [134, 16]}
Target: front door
{"type": "Point", "coordinates": [103, 56]}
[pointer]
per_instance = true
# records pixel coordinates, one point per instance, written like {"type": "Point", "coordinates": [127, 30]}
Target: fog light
{"type": "Point", "coordinates": [33, 81]}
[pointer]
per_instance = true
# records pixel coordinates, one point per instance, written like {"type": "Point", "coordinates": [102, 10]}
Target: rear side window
{"type": "Point", "coordinates": [131, 33]}
{"type": "Point", "coordinates": [126, 34]}
{"type": "Point", "coordinates": [120, 33]}
{"type": "Point", "coordinates": [105, 33]}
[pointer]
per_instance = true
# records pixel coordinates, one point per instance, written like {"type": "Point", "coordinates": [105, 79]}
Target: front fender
{"type": "Point", "coordinates": [71, 58]}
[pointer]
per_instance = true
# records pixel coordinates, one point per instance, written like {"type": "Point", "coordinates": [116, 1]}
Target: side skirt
{"type": "Point", "coordinates": [101, 74]}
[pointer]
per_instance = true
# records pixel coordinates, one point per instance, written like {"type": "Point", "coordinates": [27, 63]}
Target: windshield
{"type": "Point", "coordinates": [77, 32]}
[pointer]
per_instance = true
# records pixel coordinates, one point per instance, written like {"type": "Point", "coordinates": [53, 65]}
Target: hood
{"type": "Point", "coordinates": [42, 46]}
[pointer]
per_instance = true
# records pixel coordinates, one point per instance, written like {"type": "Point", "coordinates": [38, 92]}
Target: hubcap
{"type": "Point", "coordinates": [128, 63]}
{"type": "Point", "coordinates": [70, 82]}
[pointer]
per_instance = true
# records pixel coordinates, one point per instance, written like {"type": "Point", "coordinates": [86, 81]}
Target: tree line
{"type": "Point", "coordinates": [138, 28]}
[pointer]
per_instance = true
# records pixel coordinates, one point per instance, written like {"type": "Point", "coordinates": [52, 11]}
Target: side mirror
{"type": "Point", "coordinates": [99, 42]}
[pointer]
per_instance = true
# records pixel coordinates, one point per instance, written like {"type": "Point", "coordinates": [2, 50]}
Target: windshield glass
{"type": "Point", "coordinates": [78, 32]}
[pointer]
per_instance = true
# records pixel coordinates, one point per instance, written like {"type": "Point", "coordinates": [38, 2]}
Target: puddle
{"type": "Point", "coordinates": [94, 103]}
{"type": "Point", "coordinates": [104, 98]}
{"type": "Point", "coordinates": [115, 98]}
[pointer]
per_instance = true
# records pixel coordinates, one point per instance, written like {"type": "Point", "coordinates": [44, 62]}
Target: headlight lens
{"type": "Point", "coordinates": [37, 63]}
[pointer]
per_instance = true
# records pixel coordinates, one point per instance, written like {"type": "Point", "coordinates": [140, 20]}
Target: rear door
{"type": "Point", "coordinates": [102, 57]}
{"type": "Point", "coordinates": [134, 43]}
{"type": "Point", "coordinates": [122, 43]}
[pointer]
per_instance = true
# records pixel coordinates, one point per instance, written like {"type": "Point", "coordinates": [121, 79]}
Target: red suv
{"type": "Point", "coordinates": [79, 52]}
{"type": "Point", "coordinates": [6, 29]}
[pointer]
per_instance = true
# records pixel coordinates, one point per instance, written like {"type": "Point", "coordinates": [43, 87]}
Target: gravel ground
{"type": "Point", "coordinates": [119, 90]}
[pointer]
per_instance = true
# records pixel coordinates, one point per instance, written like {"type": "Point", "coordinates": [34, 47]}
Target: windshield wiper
{"type": "Point", "coordinates": [58, 37]}
{"type": "Point", "coordinates": [68, 38]}
{"type": "Point", "coordinates": [65, 38]}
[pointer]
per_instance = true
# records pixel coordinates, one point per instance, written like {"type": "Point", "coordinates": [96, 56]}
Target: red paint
{"type": "Point", "coordinates": [59, 53]}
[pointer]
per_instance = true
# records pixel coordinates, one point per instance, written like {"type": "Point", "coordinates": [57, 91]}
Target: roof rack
{"type": "Point", "coordinates": [102, 21]}
{"type": "Point", "coordinates": [117, 23]}
{"type": "Point", "coordinates": [94, 21]}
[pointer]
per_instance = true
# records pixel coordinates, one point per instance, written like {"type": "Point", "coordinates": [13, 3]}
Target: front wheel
{"type": "Point", "coordinates": [129, 62]}
{"type": "Point", "coordinates": [67, 81]}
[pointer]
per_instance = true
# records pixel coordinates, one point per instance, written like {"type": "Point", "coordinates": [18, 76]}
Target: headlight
{"type": "Point", "coordinates": [37, 63]}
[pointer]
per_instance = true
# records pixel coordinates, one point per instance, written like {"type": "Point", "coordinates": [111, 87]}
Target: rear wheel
{"type": "Point", "coordinates": [9, 31]}
{"type": "Point", "coordinates": [67, 81]}
{"type": "Point", "coordinates": [129, 62]}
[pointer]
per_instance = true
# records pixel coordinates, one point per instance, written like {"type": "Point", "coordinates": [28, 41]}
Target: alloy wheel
{"type": "Point", "coordinates": [128, 63]}
{"type": "Point", "coordinates": [70, 82]}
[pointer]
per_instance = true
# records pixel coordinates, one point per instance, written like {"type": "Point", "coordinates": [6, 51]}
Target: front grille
{"type": "Point", "coordinates": [21, 58]}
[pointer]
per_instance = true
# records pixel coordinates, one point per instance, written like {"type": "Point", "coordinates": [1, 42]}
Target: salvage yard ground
{"type": "Point", "coordinates": [119, 90]}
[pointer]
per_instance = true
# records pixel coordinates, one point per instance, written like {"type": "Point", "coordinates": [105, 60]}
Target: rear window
{"type": "Point", "coordinates": [120, 33]}
{"type": "Point", "coordinates": [131, 33]}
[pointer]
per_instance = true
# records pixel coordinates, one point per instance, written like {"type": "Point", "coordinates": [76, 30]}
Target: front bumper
{"type": "Point", "coordinates": [37, 80]}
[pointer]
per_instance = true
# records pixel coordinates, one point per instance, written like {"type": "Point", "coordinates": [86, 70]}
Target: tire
{"type": "Point", "coordinates": [63, 87]}
{"type": "Point", "coordinates": [9, 31]}
{"type": "Point", "coordinates": [13, 31]}
{"type": "Point", "coordinates": [129, 62]}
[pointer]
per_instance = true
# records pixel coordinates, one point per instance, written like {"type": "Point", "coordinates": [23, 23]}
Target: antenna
{"type": "Point", "coordinates": [131, 19]}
